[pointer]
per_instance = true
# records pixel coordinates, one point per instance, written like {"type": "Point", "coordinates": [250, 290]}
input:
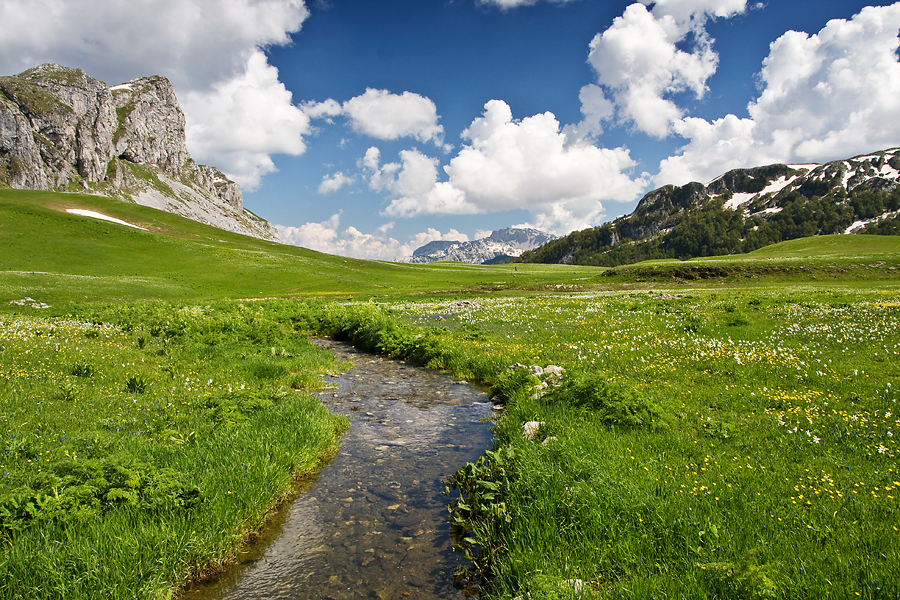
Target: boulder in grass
{"type": "Point", "coordinates": [531, 428]}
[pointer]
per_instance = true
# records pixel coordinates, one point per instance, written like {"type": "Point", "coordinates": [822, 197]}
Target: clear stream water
{"type": "Point", "coordinates": [373, 523]}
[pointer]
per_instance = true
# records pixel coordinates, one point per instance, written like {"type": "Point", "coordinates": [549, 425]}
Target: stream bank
{"type": "Point", "coordinates": [373, 523]}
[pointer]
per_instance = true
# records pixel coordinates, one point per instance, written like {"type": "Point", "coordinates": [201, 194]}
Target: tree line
{"type": "Point", "coordinates": [713, 230]}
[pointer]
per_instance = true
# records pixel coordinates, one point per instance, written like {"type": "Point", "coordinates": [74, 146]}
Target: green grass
{"type": "Point", "coordinates": [770, 468]}
{"type": "Point", "coordinates": [727, 429]}
{"type": "Point", "coordinates": [859, 258]}
{"type": "Point", "coordinates": [59, 258]}
{"type": "Point", "coordinates": [139, 452]}
{"type": "Point", "coordinates": [829, 246]}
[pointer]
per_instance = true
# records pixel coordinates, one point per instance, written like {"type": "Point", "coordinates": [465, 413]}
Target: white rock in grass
{"type": "Point", "coordinates": [530, 429]}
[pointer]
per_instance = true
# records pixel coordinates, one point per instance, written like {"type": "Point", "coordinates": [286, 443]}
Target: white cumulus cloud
{"type": "Point", "coordinates": [824, 96]}
{"type": "Point", "coordinates": [507, 4]}
{"type": "Point", "coordinates": [242, 120]}
{"type": "Point", "coordinates": [194, 43]}
{"type": "Point", "coordinates": [413, 184]}
{"type": "Point", "coordinates": [509, 164]}
{"type": "Point", "coordinates": [327, 236]}
{"type": "Point", "coordinates": [695, 12]}
{"type": "Point", "coordinates": [385, 116]}
{"type": "Point", "coordinates": [209, 49]}
{"type": "Point", "coordinates": [639, 61]}
{"type": "Point", "coordinates": [332, 183]}
{"type": "Point", "coordinates": [596, 109]}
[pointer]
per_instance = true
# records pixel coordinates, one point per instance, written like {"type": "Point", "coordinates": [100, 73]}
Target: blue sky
{"type": "Point", "coordinates": [370, 127]}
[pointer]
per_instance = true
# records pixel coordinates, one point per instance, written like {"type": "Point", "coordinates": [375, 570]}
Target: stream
{"type": "Point", "coordinates": [373, 522]}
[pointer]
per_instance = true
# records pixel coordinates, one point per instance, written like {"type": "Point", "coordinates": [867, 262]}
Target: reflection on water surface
{"type": "Point", "coordinates": [373, 523]}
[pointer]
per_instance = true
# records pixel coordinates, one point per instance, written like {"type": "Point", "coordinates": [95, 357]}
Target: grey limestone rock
{"type": "Point", "coordinates": [216, 182]}
{"type": "Point", "coordinates": [21, 165]}
{"type": "Point", "coordinates": [61, 129]}
{"type": "Point", "coordinates": [150, 125]}
{"type": "Point", "coordinates": [73, 118]}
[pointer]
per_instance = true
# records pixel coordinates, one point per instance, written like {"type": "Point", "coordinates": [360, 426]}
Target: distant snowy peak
{"type": "Point", "coordinates": [500, 245]}
{"type": "Point", "coordinates": [434, 247]}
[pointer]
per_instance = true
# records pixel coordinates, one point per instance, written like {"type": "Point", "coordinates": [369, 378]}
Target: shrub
{"type": "Point", "coordinates": [612, 403]}
{"type": "Point", "coordinates": [514, 384]}
{"type": "Point", "coordinates": [135, 384]}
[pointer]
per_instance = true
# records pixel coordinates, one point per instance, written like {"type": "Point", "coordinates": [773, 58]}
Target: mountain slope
{"type": "Point", "coordinates": [58, 258]}
{"type": "Point", "coordinates": [61, 129]}
{"type": "Point", "coordinates": [741, 211]}
{"type": "Point", "coordinates": [496, 248]}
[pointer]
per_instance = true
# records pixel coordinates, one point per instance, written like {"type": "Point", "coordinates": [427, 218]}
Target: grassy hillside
{"type": "Point", "coordinates": [59, 258]}
{"type": "Point", "coordinates": [861, 259]}
{"type": "Point", "coordinates": [827, 247]}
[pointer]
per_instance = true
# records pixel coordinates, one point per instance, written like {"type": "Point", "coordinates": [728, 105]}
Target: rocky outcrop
{"type": "Point", "coordinates": [499, 246]}
{"type": "Point", "coordinates": [150, 125]}
{"type": "Point", "coordinates": [61, 129]}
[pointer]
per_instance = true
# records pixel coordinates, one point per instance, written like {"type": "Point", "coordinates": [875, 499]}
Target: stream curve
{"type": "Point", "coordinates": [373, 522]}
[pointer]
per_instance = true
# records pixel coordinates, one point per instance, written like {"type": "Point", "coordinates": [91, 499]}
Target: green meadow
{"type": "Point", "coordinates": [717, 428]}
{"type": "Point", "coordinates": [62, 259]}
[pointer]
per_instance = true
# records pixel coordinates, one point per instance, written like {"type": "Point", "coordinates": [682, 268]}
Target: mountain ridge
{"type": "Point", "coordinates": [742, 210]}
{"type": "Point", "coordinates": [62, 130]}
{"type": "Point", "coordinates": [500, 246]}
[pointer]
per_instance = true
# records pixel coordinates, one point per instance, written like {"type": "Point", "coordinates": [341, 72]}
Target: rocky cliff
{"type": "Point", "coordinates": [61, 129]}
{"type": "Point", "coordinates": [496, 248]}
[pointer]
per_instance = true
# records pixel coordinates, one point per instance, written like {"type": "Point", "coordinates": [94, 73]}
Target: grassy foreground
{"type": "Point", "coordinates": [722, 429]}
{"type": "Point", "coordinates": [140, 446]}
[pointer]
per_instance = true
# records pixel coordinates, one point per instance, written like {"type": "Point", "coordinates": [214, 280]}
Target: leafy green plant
{"type": "Point", "coordinates": [745, 578]}
{"type": "Point", "coordinates": [481, 506]}
{"type": "Point", "coordinates": [136, 384]}
{"type": "Point", "coordinates": [68, 392]}
{"type": "Point", "coordinates": [70, 491]}
{"type": "Point", "coordinates": [691, 323]}
{"type": "Point", "coordinates": [81, 369]}
{"type": "Point", "coordinates": [512, 384]}
{"type": "Point", "coordinates": [612, 403]}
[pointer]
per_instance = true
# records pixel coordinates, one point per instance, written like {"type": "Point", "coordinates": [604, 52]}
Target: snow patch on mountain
{"type": "Point", "coordinates": [499, 246]}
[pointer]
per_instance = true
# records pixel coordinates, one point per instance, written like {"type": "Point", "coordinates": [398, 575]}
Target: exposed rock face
{"type": "Point", "coordinates": [150, 125]}
{"type": "Point", "coordinates": [61, 129]}
{"type": "Point", "coordinates": [500, 245]}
